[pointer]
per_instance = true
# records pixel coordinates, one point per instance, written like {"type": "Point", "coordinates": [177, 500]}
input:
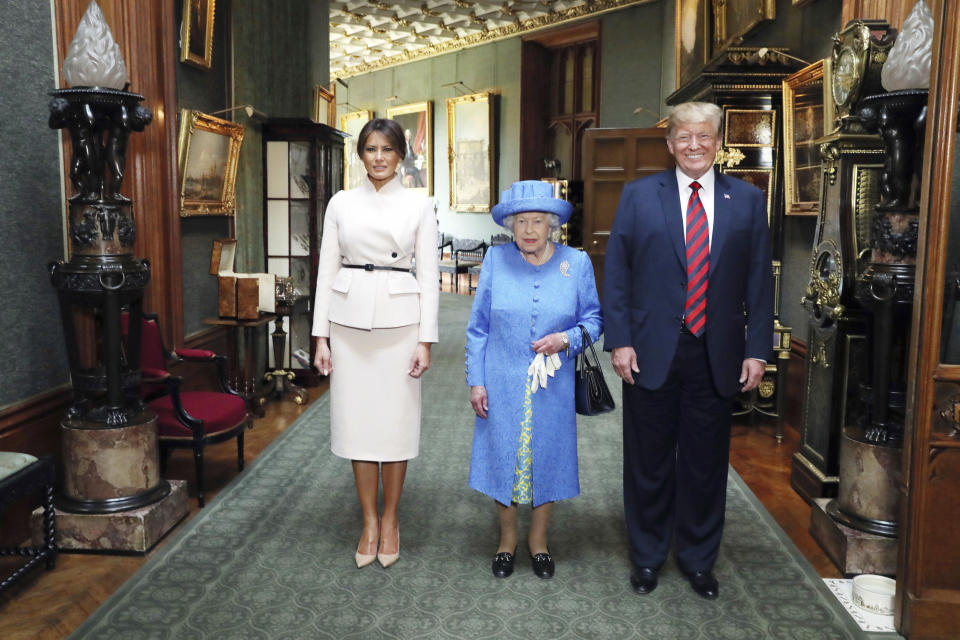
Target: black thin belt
{"type": "Point", "coordinates": [374, 267]}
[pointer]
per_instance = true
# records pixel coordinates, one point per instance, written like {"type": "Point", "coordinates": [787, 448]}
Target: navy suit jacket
{"type": "Point", "coordinates": [645, 279]}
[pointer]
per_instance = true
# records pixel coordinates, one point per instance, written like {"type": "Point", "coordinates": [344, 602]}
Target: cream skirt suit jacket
{"type": "Point", "coordinates": [375, 318]}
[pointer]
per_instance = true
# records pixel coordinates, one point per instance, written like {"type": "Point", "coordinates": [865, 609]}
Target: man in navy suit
{"type": "Point", "coordinates": [688, 315]}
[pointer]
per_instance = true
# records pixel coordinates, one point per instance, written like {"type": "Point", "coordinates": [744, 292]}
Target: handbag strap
{"type": "Point", "coordinates": [587, 342]}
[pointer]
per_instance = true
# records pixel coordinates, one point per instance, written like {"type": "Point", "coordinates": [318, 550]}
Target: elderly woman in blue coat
{"type": "Point", "coordinates": [522, 339]}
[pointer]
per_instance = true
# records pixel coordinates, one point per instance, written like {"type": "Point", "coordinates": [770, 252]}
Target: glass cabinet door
{"type": "Point", "coordinates": [302, 170]}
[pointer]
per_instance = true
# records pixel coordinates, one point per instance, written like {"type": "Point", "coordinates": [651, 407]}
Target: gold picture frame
{"type": "Point", "coordinates": [416, 168]}
{"type": "Point", "coordinates": [808, 114]}
{"type": "Point", "coordinates": [325, 104]}
{"type": "Point", "coordinates": [208, 150]}
{"type": "Point", "coordinates": [750, 128]}
{"type": "Point", "coordinates": [692, 41]}
{"type": "Point", "coordinates": [351, 123]}
{"type": "Point", "coordinates": [196, 33]}
{"type": "Point", "coordinates": [732, 21]}
{"type": "Point", "coordinates": [471, 151]}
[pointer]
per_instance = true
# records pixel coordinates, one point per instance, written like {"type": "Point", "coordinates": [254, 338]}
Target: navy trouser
{"type": "Point", "coordinates": [676, 450]}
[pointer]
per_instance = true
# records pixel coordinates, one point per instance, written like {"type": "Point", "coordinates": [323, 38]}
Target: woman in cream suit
{"type": "Point", "coordinates": [375, 317]}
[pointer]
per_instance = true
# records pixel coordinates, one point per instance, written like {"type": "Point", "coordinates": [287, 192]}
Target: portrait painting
{"type": "Point", "coordinates": [416, 168]}
{"type": "Point", "coordinates": [196, 33]}
{"type": "Point", "coordinates": [353, 171]}
{"type": "Point", "coordinates": [470, 139]}
{"type": "Point", "coordinates": [208, 150]}
{"type": "Point", "coordinates": [692, 43]}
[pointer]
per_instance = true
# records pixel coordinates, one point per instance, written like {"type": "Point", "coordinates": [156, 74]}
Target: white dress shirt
{"type": "Point", "coordinates": [707, 192]}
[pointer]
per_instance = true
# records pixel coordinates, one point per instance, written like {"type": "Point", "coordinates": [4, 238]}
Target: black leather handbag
{"type": "Point", "coordinates": [592, 394]}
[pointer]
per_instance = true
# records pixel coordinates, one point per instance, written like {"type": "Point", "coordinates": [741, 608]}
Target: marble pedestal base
{"type": "Point", "coordinates": [133, 531]}
{"type": "Point", "coordinates": [852, 550]}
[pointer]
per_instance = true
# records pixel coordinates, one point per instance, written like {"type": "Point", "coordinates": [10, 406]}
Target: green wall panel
{"type": "Point", "coordinates": [31, 207]}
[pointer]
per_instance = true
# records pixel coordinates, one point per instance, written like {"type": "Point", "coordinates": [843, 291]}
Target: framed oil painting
{"type": "Point", "coordinates": [416, 168]}
{"type": "Point", "coordinates": [325, 104]}
{"type": "Point", "coordinates": [471, 152]}
{"type": "Point", "coordinates": [732, 21]}
{"type": "Point", "coordinates": [692, 39]}
{"type": "Point", "coordinates": [196, 33]}
{"type": "Point", "coordinates": [353, 170]}
{"type": "Point", "coordinates": [807, 115]}
{"type": "Point", "coordinates": [208, 150]}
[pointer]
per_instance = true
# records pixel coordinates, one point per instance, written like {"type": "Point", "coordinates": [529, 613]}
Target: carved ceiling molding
{"type": "Point", "coordinates": [366, 35]}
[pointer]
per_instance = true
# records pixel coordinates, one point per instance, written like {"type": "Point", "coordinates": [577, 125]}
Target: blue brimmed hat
{"type": "Point", "coordinates": [530, 195]}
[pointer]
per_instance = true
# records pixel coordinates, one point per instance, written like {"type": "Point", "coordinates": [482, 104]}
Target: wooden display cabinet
{"type": "Point", "coordinates": [302, 169]}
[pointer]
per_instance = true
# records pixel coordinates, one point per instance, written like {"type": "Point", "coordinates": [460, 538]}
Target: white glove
{"type": "Point", "coordinates": [541, 368]}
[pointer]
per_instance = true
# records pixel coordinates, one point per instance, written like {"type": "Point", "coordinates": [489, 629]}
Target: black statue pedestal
{"type": "Point", "coordinates": [112, 497]}
{"type": "Point", "coordinates": [868, 496]}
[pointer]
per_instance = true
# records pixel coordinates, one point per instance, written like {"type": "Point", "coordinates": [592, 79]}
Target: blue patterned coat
{"type": "Point", "coordinates": [517, 303]}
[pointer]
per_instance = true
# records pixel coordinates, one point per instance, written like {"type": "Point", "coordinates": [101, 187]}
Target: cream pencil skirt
{"type": "Point", "coordinates": [374, 403]}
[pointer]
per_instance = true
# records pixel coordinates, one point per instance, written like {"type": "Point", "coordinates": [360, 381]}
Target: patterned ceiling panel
{"type": "Point", "coordinates": [367, 35]}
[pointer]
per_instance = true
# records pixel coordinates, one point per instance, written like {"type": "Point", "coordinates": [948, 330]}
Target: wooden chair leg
{"type": "Point", "coordinates": [240, 450]}
{"type": "Point", "coordinates": [198, 469]}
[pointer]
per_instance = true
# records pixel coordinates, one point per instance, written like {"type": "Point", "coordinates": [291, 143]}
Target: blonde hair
{"type": "Point", "coordinates": [695, 112]}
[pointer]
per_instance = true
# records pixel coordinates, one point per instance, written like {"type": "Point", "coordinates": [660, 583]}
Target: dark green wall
{"type": "Point", "coordinates": [32, 226]}
{"type": "Point", "coordinates": [634, 70]}
{"type": "Point", "coordinates": [205, 90]}
{"type": "Point", "coordinates": [280, 51]}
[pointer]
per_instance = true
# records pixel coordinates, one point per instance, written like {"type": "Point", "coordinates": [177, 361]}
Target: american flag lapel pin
{"type": "Point", "coordinates": [726, 196]}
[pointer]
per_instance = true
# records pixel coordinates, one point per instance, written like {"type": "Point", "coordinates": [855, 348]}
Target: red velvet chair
{"type": "Point", "coordinates": [188, 419]}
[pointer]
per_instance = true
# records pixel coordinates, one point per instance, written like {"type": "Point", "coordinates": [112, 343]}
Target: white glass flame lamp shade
{"type": "Point", "coordinates": [908, 63]}
{"type": "Point", "coordinates": [94, 59]}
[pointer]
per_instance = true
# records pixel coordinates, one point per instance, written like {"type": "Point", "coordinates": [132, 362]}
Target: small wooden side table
{"type": "Point", "coordinates": [255, 397]}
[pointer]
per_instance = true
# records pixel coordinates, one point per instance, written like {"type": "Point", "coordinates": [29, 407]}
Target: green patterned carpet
{"type": "Point", "coordinates": [272, 555]}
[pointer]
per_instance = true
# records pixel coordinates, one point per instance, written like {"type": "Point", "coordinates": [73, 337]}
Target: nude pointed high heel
{"type": "Point", "coordinates": [364, 559]}
{"type": "Point", "coordinates": [387, 559]}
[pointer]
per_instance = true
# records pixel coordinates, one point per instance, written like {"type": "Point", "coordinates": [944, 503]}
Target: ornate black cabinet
{"type": "Point", "coordinates": [836, 350]}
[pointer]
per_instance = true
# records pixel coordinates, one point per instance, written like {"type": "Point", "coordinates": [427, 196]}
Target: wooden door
{"type": "Point", "coordinates": [611, 159]}
{"type": "Point", "coordinates": [928, 564]}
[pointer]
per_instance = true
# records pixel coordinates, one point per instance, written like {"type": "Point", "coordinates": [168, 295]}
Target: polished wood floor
{"type": "Point", "coordinates": [51, 604]}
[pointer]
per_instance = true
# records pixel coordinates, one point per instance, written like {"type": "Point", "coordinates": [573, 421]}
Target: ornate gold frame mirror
{"type": "Point", "coordinates": [808, 115]}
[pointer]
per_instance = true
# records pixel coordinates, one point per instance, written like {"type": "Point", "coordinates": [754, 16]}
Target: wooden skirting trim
{"type": "Point", "coordinates": [32, 425]}
{"type": "Point", "coordinates": [795, 383]}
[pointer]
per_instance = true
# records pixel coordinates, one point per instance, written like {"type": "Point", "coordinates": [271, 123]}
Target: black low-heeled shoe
{"type": "Point", "coordinates": [503, 564]}
{"type": "Point", "coordinates": [543, 565]}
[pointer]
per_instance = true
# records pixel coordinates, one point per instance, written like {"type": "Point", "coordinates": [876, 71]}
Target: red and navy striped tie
{"type": "Point", "coordinates": [698, 264]}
